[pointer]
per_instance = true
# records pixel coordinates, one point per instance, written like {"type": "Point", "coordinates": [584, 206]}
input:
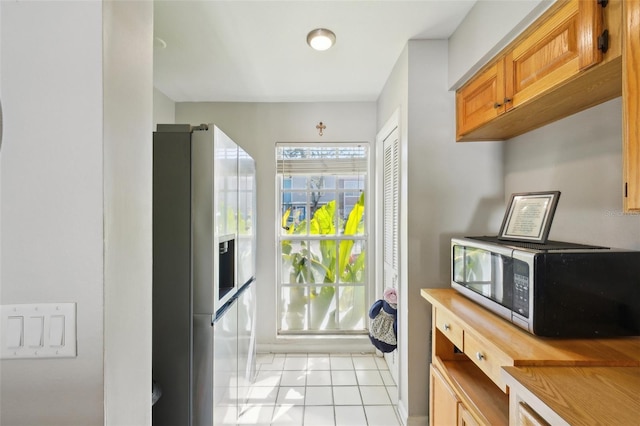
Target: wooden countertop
{"type": "Point", "coordinates": [582, 395]}
{"type": "Point", "coordinates": [529, 350]}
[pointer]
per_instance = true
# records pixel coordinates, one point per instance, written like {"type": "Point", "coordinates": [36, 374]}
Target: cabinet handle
{"type": "Point", "coordinates": [507, 100]}
{"type": "Point", "coordinates": [447, 327]}
{"type": "Point", "coordinates": [497, 105]}
{"type": "Point", "coordinates": [479, 356]}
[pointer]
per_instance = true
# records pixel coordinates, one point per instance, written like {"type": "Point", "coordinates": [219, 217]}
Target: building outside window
{"type": "Point", "coordinates": [322, 238]}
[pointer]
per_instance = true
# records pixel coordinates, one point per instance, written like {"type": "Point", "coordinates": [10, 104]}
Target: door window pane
{"type": "Point", "coordinates": [323, 234]}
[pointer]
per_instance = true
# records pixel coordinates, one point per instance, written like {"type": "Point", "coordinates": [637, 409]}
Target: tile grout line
{"type": "Point", "coordinates": [331, 386]}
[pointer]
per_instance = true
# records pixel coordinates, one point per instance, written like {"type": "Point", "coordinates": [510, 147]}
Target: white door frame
{"type": "Point", "coordinates": [390, 129]}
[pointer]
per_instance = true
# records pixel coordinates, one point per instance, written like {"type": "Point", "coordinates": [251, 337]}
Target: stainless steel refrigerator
{"type": "Point", "coordinates": [203, 275]}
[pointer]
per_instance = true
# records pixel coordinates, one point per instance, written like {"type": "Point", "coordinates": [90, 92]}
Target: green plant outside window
{"type": "Point", "coordinates": [323, 279]}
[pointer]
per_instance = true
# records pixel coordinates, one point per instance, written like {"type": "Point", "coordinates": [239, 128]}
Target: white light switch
{"type": "Point", "coordinates": [33, 331]}
{"type": "Point", "coordinates": [56, 331]}
{"type": "Point", "coordinates": [15, 330]}
{"type": "Point", "coordinates": [43, 330]}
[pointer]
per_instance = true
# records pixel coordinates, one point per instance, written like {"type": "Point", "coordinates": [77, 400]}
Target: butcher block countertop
{"type": "Point", "coordinates": [580, 395]}
{"type": "Point", "coordinates": [528, 350]}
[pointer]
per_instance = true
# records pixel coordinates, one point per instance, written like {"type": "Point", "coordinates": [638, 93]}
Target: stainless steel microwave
{"type": "Point", "coordinates": [557, 289]}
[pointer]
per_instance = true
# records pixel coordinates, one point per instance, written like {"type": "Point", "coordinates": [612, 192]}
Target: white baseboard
{"type": "Point", "coordinates": [411, 421]}
{"type": "Point", "coordinates": [418, 421]}
{"type": "Point", "coordinates": [402, 413]}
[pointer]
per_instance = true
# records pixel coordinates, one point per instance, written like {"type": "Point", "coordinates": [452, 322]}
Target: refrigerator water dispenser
{"type": "Point", "coordinates": [226, 266]}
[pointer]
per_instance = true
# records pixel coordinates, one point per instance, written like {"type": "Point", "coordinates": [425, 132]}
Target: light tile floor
{"type": "Point", "coordinates": [321, 390]}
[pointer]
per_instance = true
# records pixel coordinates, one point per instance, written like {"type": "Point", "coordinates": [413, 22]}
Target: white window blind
{"type": "Point", "coordinates": [309, 160]}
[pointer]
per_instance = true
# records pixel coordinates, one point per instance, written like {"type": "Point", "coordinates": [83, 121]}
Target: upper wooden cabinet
{"type": "Point", "coordinates": [561, 47]}
{"type": "Point", "coordinates": [554, 69]}
{"type": "Point", "coordinates": [631, 106]}
{"type": "Point", "coordinates": [477, 102]}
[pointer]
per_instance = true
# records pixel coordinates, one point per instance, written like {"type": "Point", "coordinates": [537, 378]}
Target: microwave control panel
{"type": "Point", "coordinates": [521, 288]}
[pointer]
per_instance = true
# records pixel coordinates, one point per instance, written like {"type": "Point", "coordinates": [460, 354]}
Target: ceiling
{"type": "Point", "coordinates": [256, 51]}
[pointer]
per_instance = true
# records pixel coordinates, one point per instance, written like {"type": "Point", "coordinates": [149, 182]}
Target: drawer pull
{"type": "Point", "coordinates": [479, 356]}
{"type": "Point", "coordinates": [447, 327]}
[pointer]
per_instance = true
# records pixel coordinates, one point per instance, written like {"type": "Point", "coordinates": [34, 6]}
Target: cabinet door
{"type": "Point", "coordinates": [481, 100]}
{"type": "Point", "coordinates": [465, 418]}
{"type": "Point", "coordinates": [631, 105]}
{"type": "Point", "coordinates": [443, 403]}
{"type": "Point", "coordinates": [556, 51]}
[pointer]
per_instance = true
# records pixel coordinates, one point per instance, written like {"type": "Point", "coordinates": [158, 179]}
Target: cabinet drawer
{"type": "Point", "coordinates": [488, 358]}
{"type": "Point", "coordinates": [527, 417]}
{"type": "Point", "coordinates": [450, 328]}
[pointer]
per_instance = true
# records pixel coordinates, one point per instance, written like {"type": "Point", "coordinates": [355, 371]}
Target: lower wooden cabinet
{"type": "Point", "coordinates": [486, 371]}
{"type": "Point", "coordinates": [443, 404]}
{"type": "Point", "coordinates": [445, 409]}
{"type": "Point", "coordinates": [563, 396]}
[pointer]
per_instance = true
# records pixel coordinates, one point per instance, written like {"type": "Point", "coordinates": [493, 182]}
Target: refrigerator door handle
{"type": "Point", "coordinates": [223, 309]}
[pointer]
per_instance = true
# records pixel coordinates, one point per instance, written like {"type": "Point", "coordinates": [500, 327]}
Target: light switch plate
{"type": "Point", "coordinates": [42, 330]}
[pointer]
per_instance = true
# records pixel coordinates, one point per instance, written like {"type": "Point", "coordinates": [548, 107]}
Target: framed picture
{"type": "Point", "coordinates": [529, 216]}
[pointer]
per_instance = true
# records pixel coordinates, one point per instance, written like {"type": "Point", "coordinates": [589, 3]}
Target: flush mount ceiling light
{"type": "Point", "coordinates": [321, 39]}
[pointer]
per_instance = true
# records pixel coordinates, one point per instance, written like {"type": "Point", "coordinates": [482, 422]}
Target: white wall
{"type": "Point", "coordinates": [448, 189]}
{"type": "Point", "coordinates": [581, 156]}
{"type": "Point", "coordinates": [164, 109]}
{"type": "Point", "coordinates": [75, 208]}
{"type": "Point", "coordinates": [52, 211]}
{"type": "Point", "coordinates": [257, 127]}
{"type": "Point", "coordinates": [488, 27]}
{"type": "Point", "coordinates": [1, 136]}
{"type": "Point", "coordinates": [128, 160]}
